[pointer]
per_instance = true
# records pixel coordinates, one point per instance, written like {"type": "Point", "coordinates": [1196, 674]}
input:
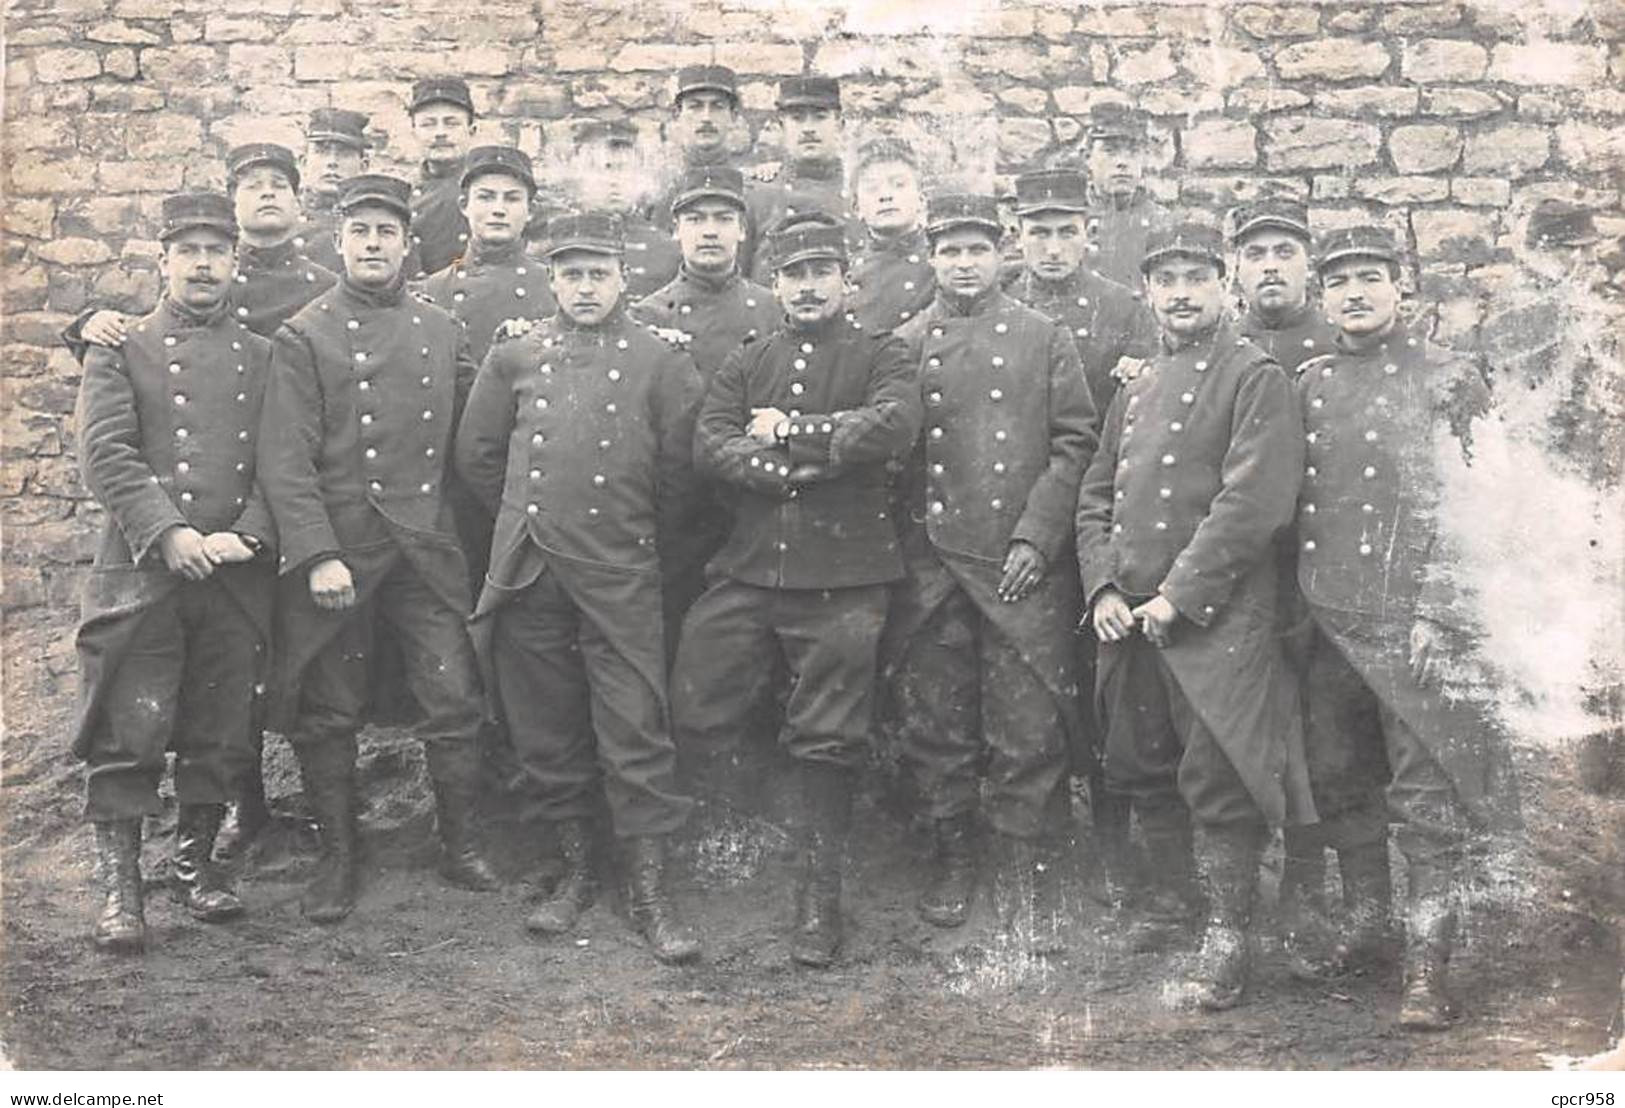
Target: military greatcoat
{"type": "Point", "coordinates": [1197, 471]}
{"type": "Point", "coordinates": [439, 228]}
{"type": "Point", "coordinates": [1107, 322]}
{"type": "Point", "coordinates": [799, 187]}
{"type": "Point", "coordinates": [893, 280]}
{"type": "Point", "coordinates": [1304, 334]}
{"type": "Point", "coordinates": [1117, 235]}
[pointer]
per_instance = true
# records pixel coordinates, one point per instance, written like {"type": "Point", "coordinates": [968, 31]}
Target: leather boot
{"type": "Point", "coordinates": [121, 927]}
{"type": "Point", "coordinates": [672, 940]}
{"type": "Point", "coordinates": [1430, 933]}
{"type": "Point", "coordinates": [827, 797]}
{"type": "Point", "coordinates": [1301, 910]}
{"type": "Point", "coordinates": [576, 890]}
{"type": "Point", "coordinates": [1170, 907]}
{"type": "Point", "coordinates": [248, 815]}
{"type": "Point", "coordinates": [1229, 858]}
{"type": "Point", "coordinates": [1366, 936]}
{"type": "Point", "coordinates": [1109, 815]}
{"type": "Point", "coordinates": [946, 899]}
{"type": "Point", "coordinates": [328, 769]}
{"type": "Point", "coordinates": [455, 770]}
{"type": "Point", "coordinates": [196, 882]}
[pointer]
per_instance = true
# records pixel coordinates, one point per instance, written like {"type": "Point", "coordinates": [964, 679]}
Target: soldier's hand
{"type": "Point", "coordinates": [1127, 368]}
{"type": "Point", "coordinates": [1114, 622]}
{"type": "Point", "coordinates": [227, 548]}
{"type": "Point", "coordinates": [1427, 645]}
{"type": "Point", "coordinates": [1156, 618]}
{"type": "Point", "coordinates": [763, 421]}
{"type": "Point", "coordinates": [184, 553]}
{"type": "Point", "coordinates": [672, 336]}
{"type": "Point", "coordinates": [330, 585]}
{"type": "Point", "coordinates": [1023, 568]}
{"type": "Point", "coordinates": [514, 328]}
{"type": "Point", "coordinates": [764, 171]}
{"type": "Point", "coordinates": [105, 328]}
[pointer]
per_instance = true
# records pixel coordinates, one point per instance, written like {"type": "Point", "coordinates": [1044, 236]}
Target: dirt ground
{"type": "Point", "coordinates": [423, 975]}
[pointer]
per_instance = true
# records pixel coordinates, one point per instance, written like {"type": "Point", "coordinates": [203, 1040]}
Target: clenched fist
{"type": "Point", "coordinates": [185, 553]}
{"type": "Point", "coordinates": [330, 585]}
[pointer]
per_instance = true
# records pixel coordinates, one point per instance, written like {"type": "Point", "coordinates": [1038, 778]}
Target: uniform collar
{"type": "Point", "coordinates": [818, 330]}
{"type": "Point", "coordinates": [705, 282]}
{"type": "Point", "coordinates": [266, 257]}
{"type": "Point", "coordinates": [816, 169]}
{"type": "Point", "coordinates": [609, 325]}
{"type": "Point", "coordinates": [386, 297]}
{"type": "Point", "coordinates": [507, 253]}
{"type": "Point", "coordinates": [957, 307]}
{"type": "Point", "coordinates": [1396, 339]}
{"type": "Point", "coordinates": [433, 171]}
{"type": "Point", "coordinates": [178, 317]}
{"type": "Point", "coordinates": [1109, 202]}
{"type": "Point", "coordinates": [909, 242]}
{"type": "Point", "coordinates": [1212, 339]}
{"type": "Point", "coordinates": [1295, 318]}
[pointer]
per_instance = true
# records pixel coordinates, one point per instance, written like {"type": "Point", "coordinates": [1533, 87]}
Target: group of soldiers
{"type": "Point", "coordinates": [834, 461]}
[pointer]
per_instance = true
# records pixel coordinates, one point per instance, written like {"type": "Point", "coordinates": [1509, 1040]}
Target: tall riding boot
{"type": "Point", "coordinates": [328, 769]}
{"type": "Point", "coordinates": [1171, 906]}
{"type": "Point", "coordinates": [946, 899]}
{"type": "Point", "coordinates": [578, 887]}
{"type": "Point", "coordinates": [121, 927]}
{"type": "Point", "coordinates": [1368, 900]}
{"type": "Point", "coordinates": [455, 770]}
{"type": "Point", "coordinates": [197, 884]}
{"type": "Point", "coordinates": [652, 912]}
{"type": "Point", "coordinates": [827, 798]}
{"type": "Point", "coordinates": [1229, 858]}
{"type": "Point", "coordinates": [1430, 933]}
{"type": "Point", "coordinates": [1109, 815]}
{"type": "Point", "coordinates": [249, 814]}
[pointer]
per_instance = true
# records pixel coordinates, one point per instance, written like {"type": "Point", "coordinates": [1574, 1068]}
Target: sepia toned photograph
{"type": "Point", "coordinates": [833, 535]}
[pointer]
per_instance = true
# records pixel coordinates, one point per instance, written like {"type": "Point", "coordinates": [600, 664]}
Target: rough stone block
{"type": "Point", "coordinates": [1549, 63]}
{"type": "Point", "coordinates": [1481, 192]}
{"type": "Point", "coordinates": [232, 28]}
{"type": "Point", "coordinates": [27, 287]}
{"type": "Point", "coordinates": [1433, 60]}
{"type": "Point", "coordinates": [1513, 149]}
{"type": "Point", "coordinates": [1139, 67]}
{"type": "Point", "coordinates": [903, 57]}
{"type": "Point", "coordinates": [1266, 99]}
{"type": "Point", "coordinates": [1351, 20]}
{"type": "Point", "coordinates": [1445, 234]}
{"type": "Point", "coordinates": [42, 134]}
{"type": "Point", "coordinates": [118, 32]}
{"type": "Point", "coordinates": [73, 251]}
{"type": "Point", "coordinates": [33, 173]}
{"type": "Point", "coordinates": [321, 63]}
{"type": "Point", "coordinates": [1033, 101]}
{"type": "Point", "coordinates": [120, 62]}
{"type": "Point", "coordinates": [156, 176]}
{"type": "Point", "coordinates": [1077, 99]}
{"type": "Point", "coordinates": [951, 99]}
{"type": "Point", "coordinates": [183, 65]}
{"type": "Point", "coordinates": [1402, 190]}
{"type": "Point", "coordinates": [259, 64]}
{"type": "Point", "coordinates": [161, 135]}
{"type": "Point", "coordinates": [771, 58]}
{"type": "Point", "coordinates": [1304, 142]}
{"type": "Point", "coordinates": [52, 66]}
{"type": "Point", "coordinates": [1460, 102]}
{"type": "Point", "coordinates": [31, 218]}
{"type": "Point", "coordinates": [1021, 138]}
{"type": "Point", "coordinates": [1332, 59]}
{"type": "Point", "coordinates": [1367, 101]}
{"type": "Point", "coordinates": [1590, 148]}
{"type": "Point", "coordinates": [1275, 21]}
{"type": "Point", "coordinates": [1411, 19]}
{"type": "Point", "coordinates": [1424, 148]}
{"type": "Point", "coordinates": [1165, 100]}
{"type": "Point", "coordinates": [125, 98]}
{"type": "Point", "coordinates": [1221, 67]}
{"type": "Point", "coordinates": [1224, 143]}
{"type": "Point", "coordinates": [100, 216]}
{"type": "Point", "coordinates": [1330, 188]}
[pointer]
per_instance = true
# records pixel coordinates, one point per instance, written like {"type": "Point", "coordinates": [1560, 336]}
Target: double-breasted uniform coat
{"type": "Point", "coordinates": [1197, 471]}
{"type": "Point", "coordinates": [799, 187]}
{"type": "Point", "coordinates": [168, 433]}
{"type": "Point", "coordinates": [366, 385]}
{"type": "Point", "coordinates": [1380, 420]}
{"type": "Point", "coordinates": [652, 256]}
{"type": "Point", "coordinates": [1107, 322]}
{"type": "Point", "coordinates": [892, 280]}
{"type": "Point", "coordinates": [1117, 234]}
{"type": "Point", "coordinates": [1303, 334]}
{"type": "Point", "coordinates": [439, 228]}
{"type": "Point", "coordinates": [1009, 426]}
{"type": "Point", "coordinates": [804, 573]}
{"type": "Point", "coordinates": [314, 237]}
{"type": "Point", "coordinates": [580, 440]}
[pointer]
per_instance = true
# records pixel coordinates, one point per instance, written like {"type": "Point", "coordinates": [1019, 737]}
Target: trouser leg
{"type": "Point", "coordinates": [937, 687]}
{"type": "Point", "coordinates": [830, 639]}
{"type": "Point", "coordinates": [1025, 737]}
{"type": "Point", "coordinates": [125, 761]}
{"type": "Point", "coordinates": [725, 663]}
{"type": "Point", "coordinates": [216, 724]}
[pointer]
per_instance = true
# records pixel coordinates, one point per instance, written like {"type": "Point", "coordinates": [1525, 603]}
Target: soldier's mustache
{"type": "Point", "coordinates": [807, 298]}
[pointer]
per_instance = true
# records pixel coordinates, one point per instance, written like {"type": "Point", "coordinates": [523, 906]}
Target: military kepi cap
{"type": "Point", "coordinates": [1051, 190]}
{"type": "Point", "coordinates": [377, 188]}
{"type": "Point", "coordinates": [886, 148]}
{"type": "Point", "coordinates": [622, 131]}
{"type": "Point", "coordinates": [1364, 241]}
{"type": "Point", "coordinates": [707, 78]}
{"type": "Point", "coordinates": [809, 92]}
{"type": "Point", "coordinates": [441, 90]}
{"type": "Point", "coordinates": [187, 211]}
{"type": "Point", "coordinates": [1561, 223]}
{"type": "Point", "coordinates": [948, 211]}
{"type": "Point", "coordinates": [337, 125]}
{"type": "Point", "coordinates": [714, 182]}
{"type": "Point", "coordinates": [1184, 239]}
{"type": "Point", "coordinates": [806, 237]}
{"type": "Point", "coordinates": [598, 232]}
{"type": "Point", "coordinates": [498, 159]}
{"type": "Point", "coordinates": [243, 158]}
{"type": "Point", "coordinates": [1277, 213]}
{"type": "Point", "coordinates": [1112, 119]}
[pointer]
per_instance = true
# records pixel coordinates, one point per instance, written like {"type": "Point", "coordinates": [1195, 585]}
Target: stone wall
{"type": "Point", "coordinates": [1447, 119]}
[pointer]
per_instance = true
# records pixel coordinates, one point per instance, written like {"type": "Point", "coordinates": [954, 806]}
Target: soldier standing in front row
{"type": "Point", "coordinates": [442, 111]}
{"type": "Point", "coordinates": [1123, 212]}
{"type": "Point", "coordinates": [177, 615]}
{"type": "Point", "coordinates": [365, 389]}
{"type": "Point", "coordinates": [1383, 415]}
{"type": "Point", "coordinates": [985, 666]}
{"type": "Point", "coordinates": [802, 424]}
{"type": "Point", "coordinates": [335, 151]}
{"type": "Point", "coordinates": [1198, 468]}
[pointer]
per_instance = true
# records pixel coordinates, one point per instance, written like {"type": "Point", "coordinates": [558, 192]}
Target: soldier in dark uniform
{"type": "Point", "coordinates": [1383, 413]}
{"type": "Point", "coordinates": [335, 151]}
{"type": "Point", "coordinates": [1108, 323]}
{"type": "Point", "coordinates": [1198, 468]}
{"type": "Point", "coordinates": [704, 115]}
{"type": "Point", "coordinates": [177, 614]}
{"type": "Point", "coordinates": [365, 387]}
{"type": "Point", "coordinates": [442, 111]}
{"type": "Point", "coordinates": [579, 436]}
{"type": "Point", "coordinates": [273, 280]}
{"type": "Point", "coordinates": [607, 156]}
{"type": "Point", "coordinates": [717, 310]}
{"type": "Point", "coordinates": [1122, 212]}
{"type": "Point", "coordinates": [892, 278]}
{"type": "Point", "coordinates": [985, 669]}
{"type": "Point", "coordinates": [1271, 241]}
{"type": "Point", "coordinates": [810, 178]}
{"type": "Point", "coordinates": [802, 424]}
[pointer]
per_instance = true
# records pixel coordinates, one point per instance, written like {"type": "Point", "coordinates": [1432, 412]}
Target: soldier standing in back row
{"type": "Point", "coordinates": [1384, 417]}
{"type": "Point", "coordinates": [1198, 468]}
{"type": "Point", "coordinates": [1271, 241]}
{"type": "Point", "coordinates": [981, 629]}
{"type": "Point", "coordinates": [892, 279]}
{"type": "Point", "coordinates": [177, 615]}
{"type": "Point", "coordinates": [610, 167]}
{"type": "Point", "coordinates": [442, 111]}
{"type": "Point", "coordinates": [366, 385]}
{"type": "Point", "coordinates": [335, 151]}
{"type": "Point", "coordinates": [1123, 212]}
{"type": "Point", "coordinates": [704, 115]}
{"type": "Point", "coordinates": [810, 178]}
{"type": "Point", "coordinates": [801, 424]}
